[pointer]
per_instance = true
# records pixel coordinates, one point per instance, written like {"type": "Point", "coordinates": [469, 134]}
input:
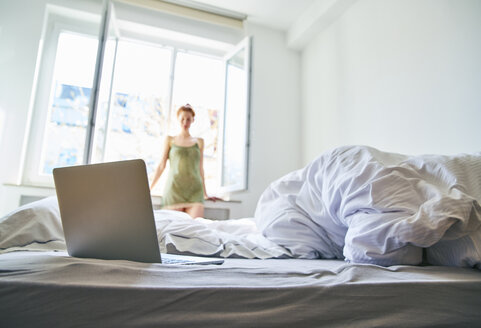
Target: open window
{"type": "Point", "coordinates": [139, 73]}
{"type": "Point", "coordinates": [235, 122]}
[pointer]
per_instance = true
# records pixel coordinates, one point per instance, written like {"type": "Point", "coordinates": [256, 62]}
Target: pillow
{"type": "Point", "coordinates": [34, 226]}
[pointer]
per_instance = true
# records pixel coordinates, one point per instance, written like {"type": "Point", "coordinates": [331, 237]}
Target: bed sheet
{"type": "Point", "coordinates": [52, 289]}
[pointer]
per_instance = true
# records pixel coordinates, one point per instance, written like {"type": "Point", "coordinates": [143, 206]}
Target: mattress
{"type": "Point", "coordinates": [47, 288]}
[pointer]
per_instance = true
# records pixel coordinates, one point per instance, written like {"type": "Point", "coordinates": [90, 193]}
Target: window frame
{"type": "Point", "coordinates": [241, 185]}
{"type": "Point", "coordinates": [58, 20]}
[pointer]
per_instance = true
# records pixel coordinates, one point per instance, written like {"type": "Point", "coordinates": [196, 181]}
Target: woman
{"type": "Point", "coordinates": [185, 187]}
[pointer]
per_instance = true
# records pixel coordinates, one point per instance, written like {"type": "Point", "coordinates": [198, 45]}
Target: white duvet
{"type": "Point", "coordinates": [369, 206]}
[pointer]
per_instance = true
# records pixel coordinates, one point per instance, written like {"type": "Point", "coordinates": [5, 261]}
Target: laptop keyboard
{"type": "Point", "coordinates": [181, 259]}
{"type": "Point", "coordinates": [175, 261]}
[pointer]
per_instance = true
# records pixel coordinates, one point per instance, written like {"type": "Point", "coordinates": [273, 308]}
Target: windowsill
{"type": "Point", "coordinates": [156, 199]}
{"type": "Point", "coordinates": [154, 196]}
{"type": "Point", "coordinates": [224, 201]}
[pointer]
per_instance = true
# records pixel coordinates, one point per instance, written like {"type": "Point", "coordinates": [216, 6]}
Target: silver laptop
{"type": "Point", "coordinates": [106, 212]}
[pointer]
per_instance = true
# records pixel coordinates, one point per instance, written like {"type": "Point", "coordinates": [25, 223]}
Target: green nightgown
{"type": "Point", "coordinates": [184, 186]}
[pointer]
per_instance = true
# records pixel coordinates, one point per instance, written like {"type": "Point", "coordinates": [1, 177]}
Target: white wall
{"type": "Point", "coordinates": [21, 24]}
{"type": "Point", "coordinates": [275, 123]}
{"type": "Point", "coordinates": [275, 113]}
{"type": "Point", "coordinates": [400, 75]}
{"type": "Point", "coordinates": [19, 43]}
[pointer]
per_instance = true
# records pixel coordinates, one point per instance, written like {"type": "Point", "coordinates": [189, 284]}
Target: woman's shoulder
{"type": "Point", "coordinates": [200, 142]}
{"type": "Point", "coordinates": [168, 140]}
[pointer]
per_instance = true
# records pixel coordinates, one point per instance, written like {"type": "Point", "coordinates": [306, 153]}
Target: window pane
{"type": "Point", "coordinates": [137, 120]}
{"type": "Point", "coordinates": [235, 122]}
{"type": "Point", "coordinates": [69, 101]}
{"type": "Point", "coordinates": [199, 81]}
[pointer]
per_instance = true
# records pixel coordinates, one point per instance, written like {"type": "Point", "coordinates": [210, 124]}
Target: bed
{"type": "Point", "coordinates": [274, 275]}
{"type": "Point", "coordinates": [50, 289]}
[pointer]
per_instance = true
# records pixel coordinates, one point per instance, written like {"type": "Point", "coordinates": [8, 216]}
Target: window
{"type": "Point", "coordinates": [143, 79]}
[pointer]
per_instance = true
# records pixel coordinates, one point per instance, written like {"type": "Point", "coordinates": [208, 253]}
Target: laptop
{"type": "Point", "coordinates": [106, 212]}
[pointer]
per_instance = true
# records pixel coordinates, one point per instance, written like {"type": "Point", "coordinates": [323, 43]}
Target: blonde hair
{"type": "Point", "coordinates": [186, 108]}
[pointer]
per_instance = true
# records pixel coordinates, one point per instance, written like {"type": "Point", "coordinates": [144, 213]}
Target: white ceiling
{"type": "Point", "coordinates": [278, 14]}
{"type": "Point", "coordinates": [300, 19]}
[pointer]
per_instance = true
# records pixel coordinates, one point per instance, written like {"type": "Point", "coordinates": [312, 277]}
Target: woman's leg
{"type": "Point", "coordinates": [195, 211]}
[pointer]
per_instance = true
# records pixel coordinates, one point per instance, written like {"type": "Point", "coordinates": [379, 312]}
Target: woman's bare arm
{"type": "Point", "coordinates": [200, 142]}
{"type": "Point", "coordinates": [163, 162]}
{"type": "Point", "coordinates": [201, 164]}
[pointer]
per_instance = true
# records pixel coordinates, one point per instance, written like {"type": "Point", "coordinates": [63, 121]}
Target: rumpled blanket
{"type": "Point", "coordinates": [369, 206]}
{"type": "Point", "coordinates": [37, 227]}
{"type": "Point", "coordinates": [178, 233]}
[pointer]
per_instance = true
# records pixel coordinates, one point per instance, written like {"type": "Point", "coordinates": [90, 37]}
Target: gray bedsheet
{"type": "Point", "coordinates": [40, 289]}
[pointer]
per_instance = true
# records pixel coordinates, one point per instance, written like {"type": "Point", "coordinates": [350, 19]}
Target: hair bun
{"type": "Point", "coordinates": [186, 108]}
